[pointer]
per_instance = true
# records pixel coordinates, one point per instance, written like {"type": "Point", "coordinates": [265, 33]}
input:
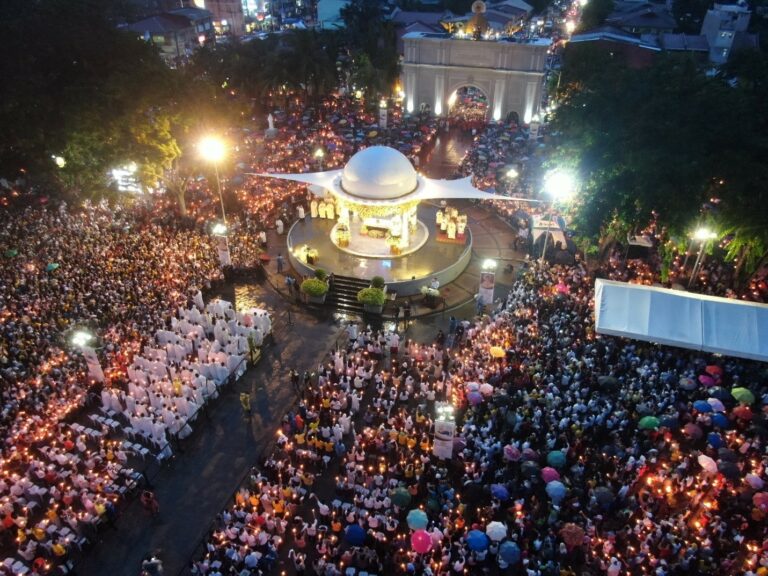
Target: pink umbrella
{"type": "Point", "coordinates": [549, 474]}
{"type": "Point", "coordinates": [693, 431]}
{"type": "Point", "coordinates": [761, 501]}
{"type": "Point", "coordinates": [421, 541]}
{"type": "Point", "coordinates": [562, 288]}
{"type": "Point", "coordinates": [716, 404]}
{"type": "Point", "coordinates": [707, 380]}
{"type": "Point", "coordinates": [511, 453]}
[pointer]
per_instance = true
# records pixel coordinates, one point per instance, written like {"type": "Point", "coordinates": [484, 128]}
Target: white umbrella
{"type": "Point", "coordinates": [496, 531]}
{"type": "Point", "coordinates": [707, 463]}
{"type": "Point", "coordinates": [486, 389]}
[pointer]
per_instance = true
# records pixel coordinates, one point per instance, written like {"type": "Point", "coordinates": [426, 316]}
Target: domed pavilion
{"type": "Point", "coordinates": [376, 196]}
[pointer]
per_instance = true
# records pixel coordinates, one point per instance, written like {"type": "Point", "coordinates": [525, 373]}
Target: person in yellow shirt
{"type": "Point", "coordinates": [411, 442]}
{"type": "Point", "coordinates": [300, 438]}
{"type": "Point", "coordinates": [278, 507]}
{"type": "Point", "coordinates": [58, 550]}
{"type": "Point", "coordinates": [424, 443]}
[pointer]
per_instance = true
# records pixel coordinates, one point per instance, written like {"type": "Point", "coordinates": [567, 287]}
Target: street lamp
{"type": "Point", "coordinates": [212, 150]}
{"type": "Point", "coordinates": [703, 235]}
{"type": "Point", "coordinates": [319, 155]}
{"type": "Point", "coordinates": [81, 339]}
{"type": "Point", "coordinates": [561, 186]}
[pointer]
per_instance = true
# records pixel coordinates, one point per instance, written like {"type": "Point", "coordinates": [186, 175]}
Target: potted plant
{"type": "Point", "coordinates": [321, 274]}
{"type": "Point", "coordinates": [378, 282]}
{"type": "Point", "coordinates": [315, 290]}
{"type": "Point", "coordinates": [372, 299]}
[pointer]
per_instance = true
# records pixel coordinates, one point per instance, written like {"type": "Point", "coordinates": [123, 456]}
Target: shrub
{"type": "Point", "coordinates": [314, 287]}
{"type": "Point", "coordinates": [371, 296]}
{"type": "Point", "coordinates": [377, 282]}
{"type": "Point", "coordinates": [321, 274]}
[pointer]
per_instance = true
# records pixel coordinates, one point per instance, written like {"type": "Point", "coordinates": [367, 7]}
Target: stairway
{"type": "Point", "coordinates": [343, 295]}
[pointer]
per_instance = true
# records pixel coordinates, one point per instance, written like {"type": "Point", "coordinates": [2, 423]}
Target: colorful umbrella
{"type": "Point", "coordinates": [720, 420]}
{"type": "Point", "coordinates": [355, 535]}
{"type": "Point", "coordinates": [549, 474]}
{"type": "Point", "coordinates": [556, 459]}
{"type": "Point", "coordinates": [687, 384]}
{"type": "Point", "coordinates": [692, 431]}
{"type": "Point", "coordinates": [761, 501]}
{"type": "Point", "coordinates": [52, 266]}
{"type": "Point", "coordinates": [417, 519]}
{"type": "Point", "coordinates": [500, 492]}
{"type": "Point", "coordinates": [707, 380]}
{"type": "Point", "coordinates": [572, 535]}
{"type": "Point", "coordinates": [486, 389]}
{"type": "Point", "coordinates": [715, 440]}
{"type": "Point", "coordinates": [497, 352]}
{"type": "Point", "coordinates": [743, 395]}
{"type": "Point", "coordinates": [511, 453]}
{"type": "Point", "coordinates": [743, 412]}
{"type": "Point", "coordinates": [702, 406]}
{"type": "Point", "coordinates": [421, 542]}
{"type": "Point", "coordinates": [707, 463]}
{"type": "Point", "coordinates": [716, 404]}
{"type": "Point", "coordinates": [11, 253]}
{"type": "Point", "coordinates": [401, 497]}
{"type": "Point", "coordinates": [754, 481]}
{"type": "Point", "coordinates": [477, 541]}
{"type": "Point", "coordinates": [474, 398]}
{"type": "Point", "coordinates": [509, 552]}
{"type": "Point", "coordinates": [714, 370]}
{"type": "Point", "coordinates": [648, 423]}
{"type": "Point", "coordinates": [556, 491]}
{"type": "Point", "coordinates": [496, 531]}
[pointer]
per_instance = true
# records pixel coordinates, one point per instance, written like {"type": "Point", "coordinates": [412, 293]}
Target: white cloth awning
{"type": "Point", "coordinates": [676, 318]}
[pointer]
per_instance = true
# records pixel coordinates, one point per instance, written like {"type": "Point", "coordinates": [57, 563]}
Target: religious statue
{"type": "Point", "coordinates": [330, 210]}
{"type": "Point", "coordinates": [313, 208]}
{"type": "Point", "coordinates": [271, 121]}
{"type": "Point", "coordinates": [321, 209]}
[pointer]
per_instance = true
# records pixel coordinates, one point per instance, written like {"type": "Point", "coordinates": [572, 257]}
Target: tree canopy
{"type": "Point", "coordinates": [668, 140]}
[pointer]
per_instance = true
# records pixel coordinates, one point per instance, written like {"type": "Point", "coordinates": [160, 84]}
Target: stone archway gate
{"type": "Point", "coordinates": [510, 73]}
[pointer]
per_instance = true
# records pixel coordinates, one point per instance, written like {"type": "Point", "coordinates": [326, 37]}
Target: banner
{"type": "Point", "coordinates": [222, 245]}
{"type": "Point", "coordinates": [487, 286]}
{"type": "Point", "coordinates": [443, 449]}
{"type": "Point", "coordinates": [444, 430]}
{"type": "Point", "coordinates": [94, 366]}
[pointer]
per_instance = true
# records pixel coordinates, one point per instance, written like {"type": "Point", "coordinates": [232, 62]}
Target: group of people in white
{"type": "Point", "coordinates": [168, 383]}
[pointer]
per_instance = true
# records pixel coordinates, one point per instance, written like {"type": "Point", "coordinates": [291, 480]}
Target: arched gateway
{"type": "Point", "coordinates": [511, 74]}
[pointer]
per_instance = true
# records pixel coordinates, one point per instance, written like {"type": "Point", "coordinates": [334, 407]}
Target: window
{"type": "Point", "coordinates": [158, 39]}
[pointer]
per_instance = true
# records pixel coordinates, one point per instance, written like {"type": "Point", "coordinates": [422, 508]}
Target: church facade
{"type": "Point", "coordinates": [510, 74]}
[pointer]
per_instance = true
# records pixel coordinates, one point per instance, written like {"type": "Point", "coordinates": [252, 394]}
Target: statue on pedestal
{"type": "Point", "coordinates": [270, 132]}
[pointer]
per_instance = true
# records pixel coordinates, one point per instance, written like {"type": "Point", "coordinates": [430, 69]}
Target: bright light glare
{"type": "Point", "coordinates": [704, 234]}
{"type": "Point", "coordinates": [81, 338]}
{"type": "Point", "coordinates": [489, 264]}
{"type": "Point", "coordinates": [319, 153]}
{"type": "Point", "coordinates": [559, 184]}
{"type": "Point", "coordinates": [570, 26]}
{"type": "Point", "coordinates": [452, 99]}
{"type": "Point", "coordinates": [59, 161]}
{"type": "Point", "coordinates": [219, 229]}
{"type": "Point", "coordinates": [512, 173]}
{"type": "Point", "coordinates": [583, 2]}
{"type": "Point", "coordinates": [211, 149]}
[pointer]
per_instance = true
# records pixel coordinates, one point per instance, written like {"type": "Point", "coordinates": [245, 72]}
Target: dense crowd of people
{"type": "Point", "coordinates": [573, 454]}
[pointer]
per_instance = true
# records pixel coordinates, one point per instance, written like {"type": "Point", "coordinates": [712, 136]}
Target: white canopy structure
{"type": "Point", "coordinates": [675, 318]}
{"type": "Point", "coordinates": [380, 175]}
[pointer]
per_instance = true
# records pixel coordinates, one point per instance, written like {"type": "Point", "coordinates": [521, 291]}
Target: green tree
{"type": "Point", "coordinates": [595, 13]}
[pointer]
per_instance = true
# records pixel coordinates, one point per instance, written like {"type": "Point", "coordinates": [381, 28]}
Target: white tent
{"type": "Point", "coordinates": [675, 318]}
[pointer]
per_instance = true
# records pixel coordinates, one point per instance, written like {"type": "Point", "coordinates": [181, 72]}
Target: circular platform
{"type": "Point", "coordinates": [365, 247]}
{"type": "Point", "coordinates": [404, 274]}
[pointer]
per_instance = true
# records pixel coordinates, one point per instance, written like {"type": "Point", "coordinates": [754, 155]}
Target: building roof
{"type": "Point", "coordinates": [382, 176]}
{"type": "Point", "coordinates": [684, 43]}
{"type": "Point", "coordinates": [510, 5]}
{"type": "Point", "coordinates": [613, 34]}
{"type": "Point", "coordinates": [159, 25]}
{"type": "Point", "coordinates": [641, 15]}
{"type": "Point", "coordinates": [405, 17]}
{"type": "Point", "coordinates": [193, 14]}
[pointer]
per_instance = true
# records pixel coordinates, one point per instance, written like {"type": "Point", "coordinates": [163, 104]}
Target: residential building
{"type": "Point", "coordinates": [641, 17]}
{"type": "Point", "coordinates": [228, 17]}
{"type": "Point", "coordinates": [725, 27]}
{"type": "Point", "coordinates": [177, 33]}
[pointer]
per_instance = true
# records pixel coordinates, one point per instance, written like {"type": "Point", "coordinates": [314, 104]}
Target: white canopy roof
{"type": "Point", "coordinates": [676, 318]}
{"type": "Point", "coordinates": [380, 175]}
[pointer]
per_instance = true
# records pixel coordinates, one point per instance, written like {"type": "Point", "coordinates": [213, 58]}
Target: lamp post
{"type": "Point", "coordinates": [704, 235]}
{"type": "Point", "coordinates": [319, 155]}
{"type": "Point", "coordinates": [560, 185]}
{"type": "Point", "coordinates": [212, 150]}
